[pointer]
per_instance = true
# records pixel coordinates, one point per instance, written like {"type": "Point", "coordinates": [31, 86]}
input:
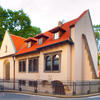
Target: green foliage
{"type": "Point", "coordinates": [97, 35]}
{"type": "Point", "coordinates": [98, 59]}
{"type": "Point", "coordinates": [97, 31]}
{"type": "Point", "coordinates": [17, 22]}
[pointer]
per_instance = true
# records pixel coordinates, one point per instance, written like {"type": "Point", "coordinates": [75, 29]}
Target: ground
{"type": "Point", "coordinates": [12, 96]}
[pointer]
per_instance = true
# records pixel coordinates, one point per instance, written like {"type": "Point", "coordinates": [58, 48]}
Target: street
{"type": "Point", "coordinates": [12, 96]}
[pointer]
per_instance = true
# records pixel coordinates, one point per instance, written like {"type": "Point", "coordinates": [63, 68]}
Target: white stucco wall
{"type": "Point", "coordinates": [50, 76]}
{"type": "Point", "coordinates": [7, 41]}
{"type": "Point", "coordinates": [84, 26]}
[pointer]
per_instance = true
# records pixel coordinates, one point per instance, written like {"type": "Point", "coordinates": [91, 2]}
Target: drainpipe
{"type": "Point", "coordinates": [99, 68]}
{"type": "Point", "coordinates": [13, 72]}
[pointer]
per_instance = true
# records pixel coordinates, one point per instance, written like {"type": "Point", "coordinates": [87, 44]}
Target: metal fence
{"type": "Point", "coordinates": [54, 87]}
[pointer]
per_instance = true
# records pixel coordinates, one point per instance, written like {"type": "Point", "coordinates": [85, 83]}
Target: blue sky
{"type": "Point", "coordinates": [46, 13]}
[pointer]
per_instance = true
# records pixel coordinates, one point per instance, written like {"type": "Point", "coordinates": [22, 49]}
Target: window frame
{"type": "Point", "coordinates": [46, 62]}
{"type": "Point", "coordinates": [6, 48]}
{"type": "Point", "coordinates": [53, 65]}
{"type": "Point", "coordinates": [52, 54]}
{"type": "Point", "coordinates": [56, 35]}
{"type": "Point", "coordinates": [29, 44]}
{"type": "Point", "coordinates": [40, 40]}
{"type": "Point", "coordinates": [22, 71]}
{"type": "Point", "coordinates": [33, 71]}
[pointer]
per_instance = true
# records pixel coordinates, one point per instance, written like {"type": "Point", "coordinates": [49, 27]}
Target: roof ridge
{"type": "Point", "coordinates": [78, 18]}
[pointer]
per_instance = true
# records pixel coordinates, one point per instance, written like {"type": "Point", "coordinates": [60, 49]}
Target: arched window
{"type": "Point", "coordinates": [48, 63]}
{"type": "Point", "coordinates": [55, 62]}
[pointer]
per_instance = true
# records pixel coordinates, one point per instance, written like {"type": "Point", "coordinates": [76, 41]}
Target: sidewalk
{"type": "Point", "coordinates": [58, 96]}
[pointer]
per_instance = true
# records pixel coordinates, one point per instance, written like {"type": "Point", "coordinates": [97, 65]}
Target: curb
{"type": "Point", "coordinates": [51, 95]}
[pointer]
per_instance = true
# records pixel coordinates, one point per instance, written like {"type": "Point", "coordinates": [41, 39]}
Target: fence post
{"type": "Point", "coordinates": [35, 86]}
{"type": "Point", "coordinates": [74, 88]}
{"type": "Point", "coordinates": [88, 92]}
{"type": "Point", "coordinates": [20, 89]}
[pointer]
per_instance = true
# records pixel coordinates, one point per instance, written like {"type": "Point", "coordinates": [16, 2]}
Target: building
{"type": "Point", "coordinates": [67, 52]}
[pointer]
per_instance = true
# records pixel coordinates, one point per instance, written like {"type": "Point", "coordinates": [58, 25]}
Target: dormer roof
{"type": "Point", "coordinates": [31, 39]}
{"type": "Point", "coordinates": [56, 29]}
{"type": "Point", "coordinates": [41, 35]}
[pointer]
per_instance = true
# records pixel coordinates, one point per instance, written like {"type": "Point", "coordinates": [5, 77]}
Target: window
{"type": "Point", "coordinates": [22, 82]}
{"type": "Point", "coordinates": [33, 65]}
{"type": "Point", "coordinates": [52, 62]}
{"type": "Point", "coordinates": [31, 83]}
{"type": "Point", "coordinates": [6, 49]}
{"type": "Point", "coordinates": [28, 44]}
{"type": "Point", "coordinates": [40, 41]}
{"type": "Point", "coordinates": [56, 62]}
{"type": "Point", "coordinates": [56, 35]}
{"type": "Point", "coordinates": [22, 66]}
{"type": "Point", "coordinates": [48, 63]}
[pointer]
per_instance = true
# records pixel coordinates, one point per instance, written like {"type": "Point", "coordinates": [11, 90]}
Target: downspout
{"type": "Point", "coordinates": [13, 72]}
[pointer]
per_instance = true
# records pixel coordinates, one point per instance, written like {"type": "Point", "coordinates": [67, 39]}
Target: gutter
{"type": "Point", "coordinates": [59, 43]}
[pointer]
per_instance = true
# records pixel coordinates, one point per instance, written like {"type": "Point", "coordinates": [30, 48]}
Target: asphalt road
{"type": "Point", "coordinates": [12, 96]}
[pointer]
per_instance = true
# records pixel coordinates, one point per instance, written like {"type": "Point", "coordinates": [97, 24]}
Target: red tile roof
{"type": "Point", "coordinates": [19, 42]}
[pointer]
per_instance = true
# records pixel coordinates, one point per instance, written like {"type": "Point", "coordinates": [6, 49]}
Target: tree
{"type": "Point", "coordinates": [17, 22]}
{"type": "Point", "coordinates": [97, 35]}
{"type": "Point", "coordinates": [97, 31]}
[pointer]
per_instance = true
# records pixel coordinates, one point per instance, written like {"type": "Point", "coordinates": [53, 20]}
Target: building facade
{"type": "Point", "coordinates": [65, 53]}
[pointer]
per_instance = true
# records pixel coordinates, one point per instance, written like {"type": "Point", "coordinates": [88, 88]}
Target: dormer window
{"type": "Point", "coordinates": [40, 41]}
{"type": "Point", "coordinates": [41, 38]}
{"type": "Point", "coordinates": [58, 32]}
{"type": "Point", "coordinates": [30, 41]}
{"type": "Point", "coordinates": [56, 35]}
{"type": "Point", "coordinates": [28, 44]}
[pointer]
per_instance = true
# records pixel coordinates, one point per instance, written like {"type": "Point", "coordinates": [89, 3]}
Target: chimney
{"type": "Point", "coordinates": [60, 23]}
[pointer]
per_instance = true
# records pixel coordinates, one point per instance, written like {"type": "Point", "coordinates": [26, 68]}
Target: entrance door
{"type": "Point", "coordinates": [58, 87]}
{"type": "Point", "coordinates": [7, 71]}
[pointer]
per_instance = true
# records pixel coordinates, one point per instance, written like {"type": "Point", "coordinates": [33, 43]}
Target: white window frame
{"type": "Point", "coordinates": [28, 44]}
{"type": "Point", "coordinates": [56, 35]}
{"type": "Point", "coordinates": [40, 41]}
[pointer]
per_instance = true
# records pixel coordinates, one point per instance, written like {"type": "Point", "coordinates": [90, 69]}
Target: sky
{"type": "Point", "coordinates": [46, 13]}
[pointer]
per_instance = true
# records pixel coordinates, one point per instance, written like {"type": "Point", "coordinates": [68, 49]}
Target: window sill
{"type": "Point", "coordinates": [22, 72]}
{"type": "Point", "coordinates": [52, 71]}
{"type": "Point", "coordinates": [33, 72]}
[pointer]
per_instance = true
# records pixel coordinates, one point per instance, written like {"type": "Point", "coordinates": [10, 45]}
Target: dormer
{"type": "Point", "coordinates": [58, 32]}
{"type": "Point", "coordinates": [30, 41]}
{"type": "Point", "coordinates": [41, 38]}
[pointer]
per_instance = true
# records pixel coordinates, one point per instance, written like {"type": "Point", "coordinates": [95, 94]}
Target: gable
{"type": "Point", "coordinates": [7, 47]}
{"type": "Point", "coordinates": [84, 26]}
